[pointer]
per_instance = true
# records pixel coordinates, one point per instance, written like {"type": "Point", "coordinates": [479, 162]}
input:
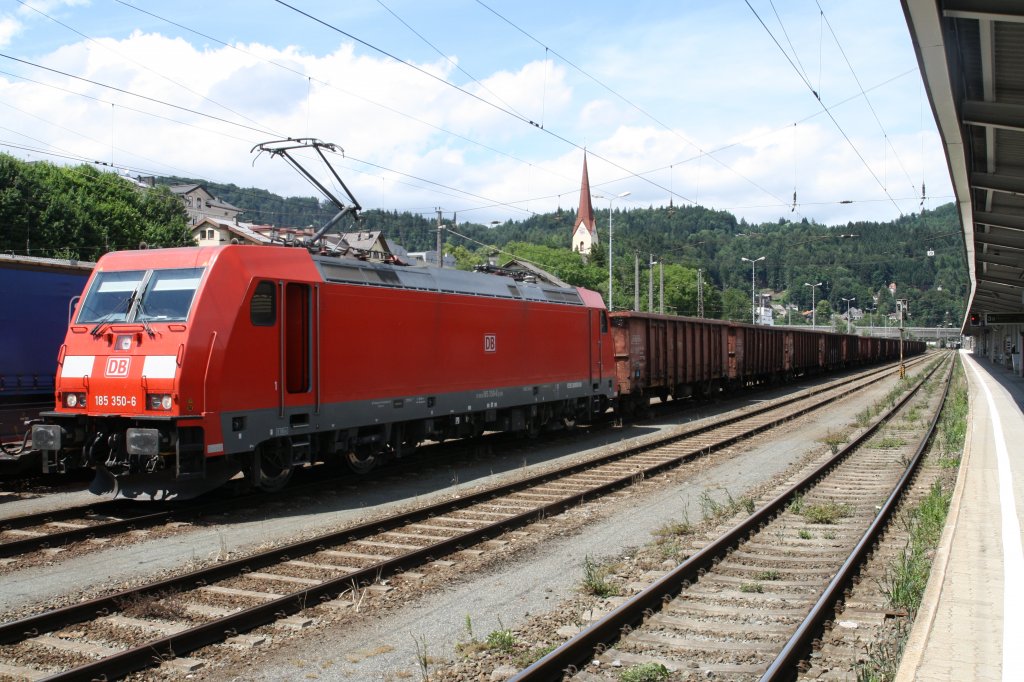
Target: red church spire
{"type": "Point", "coordinates": [585, 213]}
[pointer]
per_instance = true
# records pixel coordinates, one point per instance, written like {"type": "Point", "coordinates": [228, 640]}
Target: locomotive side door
{"type": "Point", "coordinates": [298, 350]}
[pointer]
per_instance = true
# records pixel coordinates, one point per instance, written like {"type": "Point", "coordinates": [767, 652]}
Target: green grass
{"type": "Point", "coordinates": [672, 530]}
{"type": "Point", "coordinates": [644, 672]}
{"type": "Point", "coordinates": [864, 417]}
{"type": "Point", "coordinates": [834, 440]}
{"type": "Point", "coordinates": [826, 512]}
{"type": "Point", "coordinates": [770, 574]}
{"type": "Point", "coordinates": [714, 510]}
{"type": "Point", "coordinates": [905, 578]}
{"type": "Point", "coordinates": [755, 587]}
{"type": "Point", "coordinates": [595, 579]}
{"type": "Point", "coordinates": [524, 659]}
{"type": "Point", "coordinates": [501, 640]}
{"type": "Point", "coordinates": [889, 443]}
{"type": "Point", "coordinates": [953, 422]}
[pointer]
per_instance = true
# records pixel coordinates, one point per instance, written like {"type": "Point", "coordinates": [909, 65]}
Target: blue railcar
{"type": "Point", "coordinates": [35, 295]}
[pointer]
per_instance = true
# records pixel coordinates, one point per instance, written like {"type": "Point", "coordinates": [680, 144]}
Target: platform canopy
{"type": "Point", "coordinates": [971, 54]}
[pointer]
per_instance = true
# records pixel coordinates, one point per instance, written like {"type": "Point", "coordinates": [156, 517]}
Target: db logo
{"type": "Point", "coordinates": [117, 367]}
{"type": "Point", "coordinates": [490, 343]}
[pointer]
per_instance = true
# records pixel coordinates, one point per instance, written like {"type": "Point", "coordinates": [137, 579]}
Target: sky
{"type": "Point", "coordinates": [483, 109]}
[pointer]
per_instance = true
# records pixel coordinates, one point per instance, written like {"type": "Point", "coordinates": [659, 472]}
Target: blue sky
{"type": "Point", "coordinates": [483, 108]}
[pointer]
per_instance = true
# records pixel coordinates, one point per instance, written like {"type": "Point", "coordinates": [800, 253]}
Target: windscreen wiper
{"type": "Point", "coordinates": [126, 304]}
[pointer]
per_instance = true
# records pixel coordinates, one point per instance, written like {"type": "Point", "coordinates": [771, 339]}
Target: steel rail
{"type": "Point", "coordinates": [800, 643]}
{"type": "Point", "coordinates": [18, 630]}
{"type": "Point", "coordinates": [582, 646]}
{"type": "Point", "coordinates": [218, 630]}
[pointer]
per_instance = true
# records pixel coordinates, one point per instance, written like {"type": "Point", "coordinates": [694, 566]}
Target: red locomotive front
{"type": "Point", "coordinates": [183, 368]}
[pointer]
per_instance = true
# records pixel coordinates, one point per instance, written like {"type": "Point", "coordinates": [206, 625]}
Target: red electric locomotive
{"type": "Point", "coordinates": [183, 368]}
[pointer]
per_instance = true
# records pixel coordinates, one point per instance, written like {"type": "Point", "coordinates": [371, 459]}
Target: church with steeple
{"type": "Point", "coordinates": [584, 231]}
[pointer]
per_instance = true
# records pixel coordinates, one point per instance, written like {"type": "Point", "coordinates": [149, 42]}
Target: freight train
{"type": "Point", "coordinates": [184, 368]}
{"type": "Point", "coordinates": [37, 297]}
{"type": "Point", "coordinates": [38, 293]}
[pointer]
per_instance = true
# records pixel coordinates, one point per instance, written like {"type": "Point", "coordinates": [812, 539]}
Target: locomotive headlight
{"type": "Point", "coordinates": [74, 400]}
{"type": "Point", "coordinates": [159, 401]}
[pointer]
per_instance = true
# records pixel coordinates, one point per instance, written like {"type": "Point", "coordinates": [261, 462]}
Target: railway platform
{"type": "Point", "coordinates": [971, 622]}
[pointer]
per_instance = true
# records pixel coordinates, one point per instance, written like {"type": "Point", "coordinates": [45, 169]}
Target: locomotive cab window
{"type": "Point", "coordinates": [140, 295]}
{"type": "Point", "coordinates": [263, 305]}
{"type": "Point", "coordinates": [110, 296]}
{"type": "Point", "coordinates": [169, 294]}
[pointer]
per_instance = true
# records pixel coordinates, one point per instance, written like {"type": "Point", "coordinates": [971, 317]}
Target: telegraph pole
{"type": "Point", "coordinates": [901, 306]}
{"type": "Point", "coordinates": [700, 292]}
{"type": "Point", "coordinates": [661, 292]}
{"type": "Point", "coordinates": [440, 239]}
{"type": "Point", "coordinates": [650, 286]}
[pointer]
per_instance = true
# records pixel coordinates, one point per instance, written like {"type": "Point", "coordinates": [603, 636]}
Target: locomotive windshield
{"type": "Point", "coordinates": [140, 296]}
{"type": "Point", "coordinates": [110, 296]}
{"type": "Point", "coordinates": [168, 295]}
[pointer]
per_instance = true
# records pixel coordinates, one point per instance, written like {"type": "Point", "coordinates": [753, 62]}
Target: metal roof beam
{"type": "Point", "coordinates": [1005, 261]}
{"type": "Point", "coordinates": [998, 182]}
{"type": "Point", "coordinates": [994, 10]}
{"type": "Point", "coordinates": [995, 306]}
{"type": "Point", "coordinates": [1004, 220]}
{"type": "Point", "coordinates": [993, 114]}
{"type": "Point", "coordinates": [998, 241]}
{"type": "Point", "coordinates": [991, 279]}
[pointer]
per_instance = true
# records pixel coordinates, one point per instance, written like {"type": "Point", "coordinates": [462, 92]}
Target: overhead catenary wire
{"type": "Point", "coordinates": [335, 87]}
{"type": "Point", "coordinates": [867, 99]}
{"type": "Point", "coordinates": [309, 78]}
{"type": "Point", "coordinates": [642, 111]}
{"type": "Point", "coordinates": [474, 96]}
{"type": "Point", "coordinates": [93, 41]}
{"type": "Point", "coordinates": [449, 59]}
{"type": "Point", "coordinates": [829, 113]}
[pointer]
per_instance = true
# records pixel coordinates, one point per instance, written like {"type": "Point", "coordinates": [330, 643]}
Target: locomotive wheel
{"type": "Point", "coordinates": [272, 465]}
{"type": "Point", "coordinates": [361, 461]}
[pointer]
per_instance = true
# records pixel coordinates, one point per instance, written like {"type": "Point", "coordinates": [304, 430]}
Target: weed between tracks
{"type": "Point", "coordinates": [503, 641]}
{"type": "Point", "coordinates": [829, 511]}
{"type": "Point", "coordinates": [834, 440]}
{"type": "Point", "coordinates": [906, 577]}
{"type": "Point", "coordinates": [595, 579]}
{"type": "Point", "coordinates": [645, 672]}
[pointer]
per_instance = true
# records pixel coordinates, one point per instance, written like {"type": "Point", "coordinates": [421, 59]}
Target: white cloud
{"type": "Point", "coordinates": [9, 26]}
{"type": "Point", "coordinates": [385, 113]}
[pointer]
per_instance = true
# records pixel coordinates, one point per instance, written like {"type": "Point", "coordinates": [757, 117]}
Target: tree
{"type": "Point", "coordinates": [81, 213]}
{"type": "Point", "coordinates": [736, 305]}
{"type": "Point", "coordinates": [823, 311]}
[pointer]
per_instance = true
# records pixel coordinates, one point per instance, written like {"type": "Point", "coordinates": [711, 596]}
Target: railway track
{"type": "Point", "coordinates": [753, 602]}
{"type": "Point", "coordinates": [100, 638]}
{"type": "Point", "coordinates": [24, 534]}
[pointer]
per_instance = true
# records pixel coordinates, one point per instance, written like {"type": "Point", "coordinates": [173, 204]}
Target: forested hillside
{"type": "Point", "coordinates": [81, 212]}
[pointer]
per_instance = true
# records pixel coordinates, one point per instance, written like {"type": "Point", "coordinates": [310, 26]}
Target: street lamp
{"type": "Point", "coordinates": [753, 296]}
{"type": "Point", "coordinates": [610, 200]}
{"type": "Point", "coordinates": [849, 322]}
{"type": "Point", "coordinates": [814, 311]}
